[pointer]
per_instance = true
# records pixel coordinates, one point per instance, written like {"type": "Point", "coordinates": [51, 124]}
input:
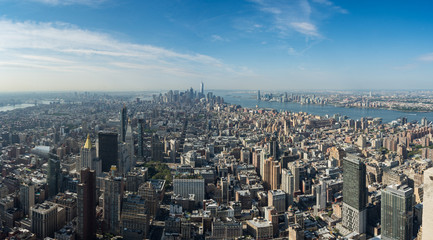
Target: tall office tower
{"type": "Point", "coordinates": [202, 89]}
{"type": "Point", "coordinates": [297, 170]}
{"type": "Point", "coordinates": [107, 150]}
{"type": "Point", "coordinates": [140, 152]}
{"type": "Point", "coordinates": [189, 184]}
{"type": "Point", "coordinates": [157, 149]}
{"type": "Point", "coordinates": [124, 159]}
{"type": "Point", "coordinates": [286, 127]}
{"type": "Point", "coordinates": [54, 177]}
{"type": "Point", "coordinates": [123, 123]}
{"type": "Point", "coordinates": [273, 147]}
{"type": "Point", "coordinates": [427, 212]}
{"type": "Point", "coordinates": [225, 193]}
{"type": "Point", "coordinates": [272, 174]}
{"type": "Point", "coordinates": [263, 156]}
{"type": "Point", "coordinates": [86, 205]}
{"type": "Point", "coordinates": [129, 140]}
{"type": "Point", "coordinates": [88, 158]}
{"type": "Point", "coordinates": [258, 95]}
{"type": "Point", "coordinates": [44, 219]}
{"type": "Point", "coordinates": [27, 197]}
{"type": "Point", "coordinates": [321, 195]}
{"type": "Point", "coordinates": [256, 159]}
{"type": "Point", "coordinates": [134, 218]}
{"type": "Point", "coordinates": [288, 185]}
{"type": "Point", "coordinates": [276, 176]}
{"type": "Point", "coordinates": [397, 213]}
{"type": "Point", "coordinates": [113, 194]}
{"type": "Point", "coordinates": [354, 194]}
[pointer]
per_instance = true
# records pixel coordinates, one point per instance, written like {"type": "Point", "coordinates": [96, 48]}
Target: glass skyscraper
{"type": "Point", "coordinates": [354, 194]}
{"type": "Point", "coordinates": [397, 212]}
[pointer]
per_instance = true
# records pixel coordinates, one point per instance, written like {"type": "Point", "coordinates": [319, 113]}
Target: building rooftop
{"type": "Point", "coordinates": [260, 223]}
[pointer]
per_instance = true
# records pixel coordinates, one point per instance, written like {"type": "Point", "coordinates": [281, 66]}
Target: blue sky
{"type": "Point", "coordinates": [255, 44]}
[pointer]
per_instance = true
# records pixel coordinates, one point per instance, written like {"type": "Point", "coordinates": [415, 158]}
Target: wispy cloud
{"type": "Point", "coordinates": [306, 28]}
{"type": "Point", "coordinates": [289, 16]}
{"type": "Point", "coordinates": [332, 6]}
{"type": "Point", "coordinates": [297, 15]}
{"type": "Point", "coordinates": [218, 38]}
{"type": "Point", "coordinates": [70, 2]}
{"type": "Point", "coordinates": [426, 57]}
{"type": "Point", "coordinates": [61, 47]}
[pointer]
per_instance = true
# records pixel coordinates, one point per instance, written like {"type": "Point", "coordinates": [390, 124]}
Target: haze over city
{"type": "Point", "coordinates": [108, 45]}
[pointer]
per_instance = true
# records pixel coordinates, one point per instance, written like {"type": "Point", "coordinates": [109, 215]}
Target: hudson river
{"type": "Point", "coordinates": [249, 100]}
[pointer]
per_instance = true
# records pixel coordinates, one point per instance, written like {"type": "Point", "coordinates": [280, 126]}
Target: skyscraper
{"type": "Point", "coordinates": [113, 194]}
{"type": "Point", "coordinates": [225, 193]}
{"type": "Point", "coordinates": [321, 195]}
{"type": "Point", "coordinates": [397, 213]}
{"type": "Point", "coordinates": [258, 95]}
{"type": "Point", "coordinates": [27, 197]}
{"type": "Point", "coordinates": [123, 123]}
{"type": "Point", "coordinates": [157, 149]}
{"type": "Point", "coordinates": [107, 149]}
{"type": "Point", "coordinates": [272, 174]}
{"type": "Point", "coordinates": [354, 194]}
{"type": "Point", "coordinates": [140, 137]}
{"type": "Point", "coordinates": [427, 215]}
{"type": "Point", "coordinates": [86, 205]}
{"type": "Point", "coordinates": [288, 185]}
{"type": "Point", "coordinates": [273, 147]}
{"type": "Point", "coordinates": [88, 158]}
{"type": "Point", "coordinates": [202, 89]}
{"type": "Point", "coordinates": [53, 177]}
{"type": "Point", "coordinates": [129, 139]}
{"type": "Point", "coordinates": [297, 170]}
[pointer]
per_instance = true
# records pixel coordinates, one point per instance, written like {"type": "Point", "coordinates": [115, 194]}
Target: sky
{"type": "Point", "coordinates": [138, 45]}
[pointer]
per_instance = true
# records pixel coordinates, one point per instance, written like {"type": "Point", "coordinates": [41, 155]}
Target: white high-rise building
{"type": "Point", "coordinates": [427, 215]}
{"type": "Point", "coordinates": [288, 185]}
{"type": "Point", "coordinates": [27, 197]}
{"type": "Point", "coordinates": [321, 195]}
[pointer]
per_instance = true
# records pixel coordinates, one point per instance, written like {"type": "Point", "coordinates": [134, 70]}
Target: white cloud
{"type": "Point", "coordinates": [305, 28]}
{"type": "Point", "coordinates": [426, 57]}
{"type": "Point", "coordinates": [61, 47]}
{"type": "Point", "coordinates": [289, 16]}
{"type": "Point", "coordinates": [297, 15]}
{"type": "Point", "coordinates": [332, 6]}
{"type": "Point", "coordinates": [218, 38]}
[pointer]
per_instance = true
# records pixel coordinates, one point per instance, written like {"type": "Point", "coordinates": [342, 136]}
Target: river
{"type": "Point", "coordinates": [16, 106]}
{"type": "Point", "coordinates": [249, 100]}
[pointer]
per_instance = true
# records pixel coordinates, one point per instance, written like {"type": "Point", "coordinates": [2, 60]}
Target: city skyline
{"type": "Point", "coordinates": [107, 45]}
